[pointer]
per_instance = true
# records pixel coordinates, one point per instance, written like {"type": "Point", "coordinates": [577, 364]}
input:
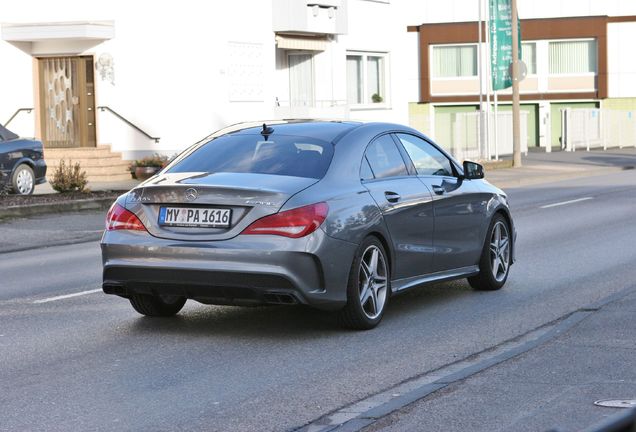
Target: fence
{"type": "Point", "coordinates": [465, 143]}
{"type": "Point", "coordinates": [593, 128]}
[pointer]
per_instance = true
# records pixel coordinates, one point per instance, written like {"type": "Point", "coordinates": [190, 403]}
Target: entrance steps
{"type": "Point", "coordinates": [100, 163]}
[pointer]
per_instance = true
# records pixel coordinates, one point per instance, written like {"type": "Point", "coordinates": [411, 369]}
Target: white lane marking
{"type": "Point", "coordinates": [566, 202]}
{"type": "Point", "coordinates": [62, 297]}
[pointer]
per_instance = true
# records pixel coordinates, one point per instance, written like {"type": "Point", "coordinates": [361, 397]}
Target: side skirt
{"type": "Point", "coordinates": [406, 283]}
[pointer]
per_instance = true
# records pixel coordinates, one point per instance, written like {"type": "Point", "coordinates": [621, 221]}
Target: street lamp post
{"type": "Point", "coordinates": [516, 135]}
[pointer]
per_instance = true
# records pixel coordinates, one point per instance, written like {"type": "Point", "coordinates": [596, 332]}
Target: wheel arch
{"type": "Point", "coordinates": [24, 161]}
{"type": "Point", "coordinates": [508, 218]}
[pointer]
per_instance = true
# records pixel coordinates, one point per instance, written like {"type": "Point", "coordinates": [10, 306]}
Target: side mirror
{"type": "Point", "coordinates": [473, 170]}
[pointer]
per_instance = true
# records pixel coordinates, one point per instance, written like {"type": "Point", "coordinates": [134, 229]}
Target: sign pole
{"type": "Point", "coordinates": [488, 86]}
{"type": "Point", "coordinates": [482, 129]}
{"type": "Point", "coordinates": [496, 129]}
{"type": "Point", "coordinates": [516, 134]}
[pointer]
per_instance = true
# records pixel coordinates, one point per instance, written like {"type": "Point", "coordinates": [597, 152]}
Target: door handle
{"type": "Point", "coordinates": [392, 196]}
{"type": "Point", "coordinates": [438, 190]}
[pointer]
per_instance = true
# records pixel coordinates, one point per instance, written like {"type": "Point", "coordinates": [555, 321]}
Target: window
{"type": "Point", "coordinates": [454, 61]}
{"type": "Point", "coordinates": [354, 79]}
{"type": "Point", "coordinates": [301, 79]}
{"type": "Point", "coordinates": [426, 158]}
{"type": "Point", "coordinates": [385, 158]}
{"type": "Point", "coordinates": [282, 155]}
{"type": "Point", "coordinates": [529, 56]}
{"type": "Point", "coordinates": [366, 78]}
{"type": "Point", "coordinates": [365, 170]}
{"type": "Point", "coordinates": [572, 57]}
{"type": "Point", "coordinates": [6, 134]}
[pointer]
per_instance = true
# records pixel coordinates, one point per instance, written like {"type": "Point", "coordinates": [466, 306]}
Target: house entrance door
{"type": "Point", "coordinates": [67, 101]}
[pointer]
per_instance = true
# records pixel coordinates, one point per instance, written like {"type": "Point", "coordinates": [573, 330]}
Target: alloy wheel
{"type": "Point", "coordinates": [372, 282]}
{"type": "Point", "coordinates": [500, 251]}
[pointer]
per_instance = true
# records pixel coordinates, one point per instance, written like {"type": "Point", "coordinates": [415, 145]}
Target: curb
{"type": "Point", "coordinates": [59, 207]}
{"type": "Point", "coordinates": [83, 240]}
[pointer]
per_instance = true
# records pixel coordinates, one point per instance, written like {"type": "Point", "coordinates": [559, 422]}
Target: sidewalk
{"type": "Point", "coordinates": [46, 188]}
{"type": "Point", "coordinates": [552, 387]}
{"type": "Point", "coordinates": [51, 230]}
{"type": "Point", "coordinates": [540, 167]}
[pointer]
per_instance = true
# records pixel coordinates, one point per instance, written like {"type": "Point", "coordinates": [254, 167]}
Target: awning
{"type": "Point", "coordinates": [304, 43]}
{"type": "Point", "coordinates": [58, 37]}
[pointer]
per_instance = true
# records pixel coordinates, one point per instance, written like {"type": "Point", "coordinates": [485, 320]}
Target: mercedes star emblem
{"type": "Point", "coordinates": [191, 194]}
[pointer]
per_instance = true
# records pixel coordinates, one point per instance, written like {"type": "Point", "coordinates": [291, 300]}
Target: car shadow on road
{"type": "Point", "coordinates": [283, 322]}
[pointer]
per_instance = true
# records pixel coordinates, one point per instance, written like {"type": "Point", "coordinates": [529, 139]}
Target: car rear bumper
{"type": "Point", "coordinates": [248, 269]}
{"type": "Point", "coordinates": [40, 171]}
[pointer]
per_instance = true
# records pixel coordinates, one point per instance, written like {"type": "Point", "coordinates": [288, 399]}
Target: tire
{"type": "Point", "coordinates": [368, 288]}
{"type": "Point", "coordinates": [495, 260]}
{"type": "Point", "coordinates": [23, 180]}
{"type": "Point", "coordinates": [156, 306]}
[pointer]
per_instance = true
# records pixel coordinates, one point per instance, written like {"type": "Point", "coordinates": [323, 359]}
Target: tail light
{"type": "Point", "coordinates": [118, 218]}
{"type": "Point", "coordinates": [295, 223]}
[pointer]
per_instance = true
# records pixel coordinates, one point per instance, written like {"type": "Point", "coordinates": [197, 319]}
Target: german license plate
{"type": "Point", "coordinates": [195, 217]}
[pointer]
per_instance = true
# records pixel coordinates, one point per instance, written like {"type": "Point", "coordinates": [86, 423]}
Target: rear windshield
{"type": "Point", "coordinates": [6, 134]}
{"type": "Point", "coordinates": [279, 155]}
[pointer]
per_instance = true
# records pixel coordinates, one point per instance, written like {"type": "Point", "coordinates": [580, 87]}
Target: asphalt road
{"type": "Point", "coordinates": [89, 362]}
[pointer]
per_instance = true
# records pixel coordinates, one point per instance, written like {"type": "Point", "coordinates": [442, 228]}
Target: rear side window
{"type": "Point", "coordinates": [365, 170]}
{"type": "Point", "coordinates": [385, 158]}
{"type": "Point", "coordinates": [279, 155]}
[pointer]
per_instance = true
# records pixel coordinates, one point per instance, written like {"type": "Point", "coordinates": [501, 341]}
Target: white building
{"type": "Point", "coordinates": [100, 73]}
{"type": "Point", "coordinates": [181, 71]}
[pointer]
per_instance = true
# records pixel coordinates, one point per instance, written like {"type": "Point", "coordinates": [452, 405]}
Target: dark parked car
{"type": "Point", "coordinates": [22, 163]}
{"type": "Point", "coordinates": [336, 215]}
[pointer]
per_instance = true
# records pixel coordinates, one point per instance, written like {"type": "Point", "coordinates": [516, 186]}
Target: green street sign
{"type": "Point", "coordinates": [501, 43]}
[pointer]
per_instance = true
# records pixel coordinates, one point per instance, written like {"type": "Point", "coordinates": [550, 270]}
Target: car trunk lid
{"type": "Point", "coordinates": [247, 196]}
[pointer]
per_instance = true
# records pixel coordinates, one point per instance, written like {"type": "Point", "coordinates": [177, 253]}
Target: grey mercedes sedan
{"type": "Point", "coordinates": [338, 215]}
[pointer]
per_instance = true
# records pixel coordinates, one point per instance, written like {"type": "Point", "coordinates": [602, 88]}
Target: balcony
{"type": "Point", "coordinates": [327, 17]}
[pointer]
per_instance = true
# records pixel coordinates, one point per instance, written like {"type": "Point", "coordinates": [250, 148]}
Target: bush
{"type": "Point", "coordinates": [155, 160]}
{"type": "Point", "coordinates": [376, 98]}
{"type": "Point", "coordinates": [5, 188]}
{"type": "Point", "coordinates": [69, 178]}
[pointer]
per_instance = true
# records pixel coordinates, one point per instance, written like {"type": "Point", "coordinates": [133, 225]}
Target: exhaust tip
{"type": "Point", "coordinates": [280, 298]}
{"type": "Point", "coordinates": [113, 288]}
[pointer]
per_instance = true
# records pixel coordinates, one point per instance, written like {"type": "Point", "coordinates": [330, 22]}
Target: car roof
{"type": "Point", "coordinates": [325, 130]}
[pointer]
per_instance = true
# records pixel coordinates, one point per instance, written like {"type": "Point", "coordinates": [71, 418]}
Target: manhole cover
{"type": "Point", "coordinates": [617, 403]}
